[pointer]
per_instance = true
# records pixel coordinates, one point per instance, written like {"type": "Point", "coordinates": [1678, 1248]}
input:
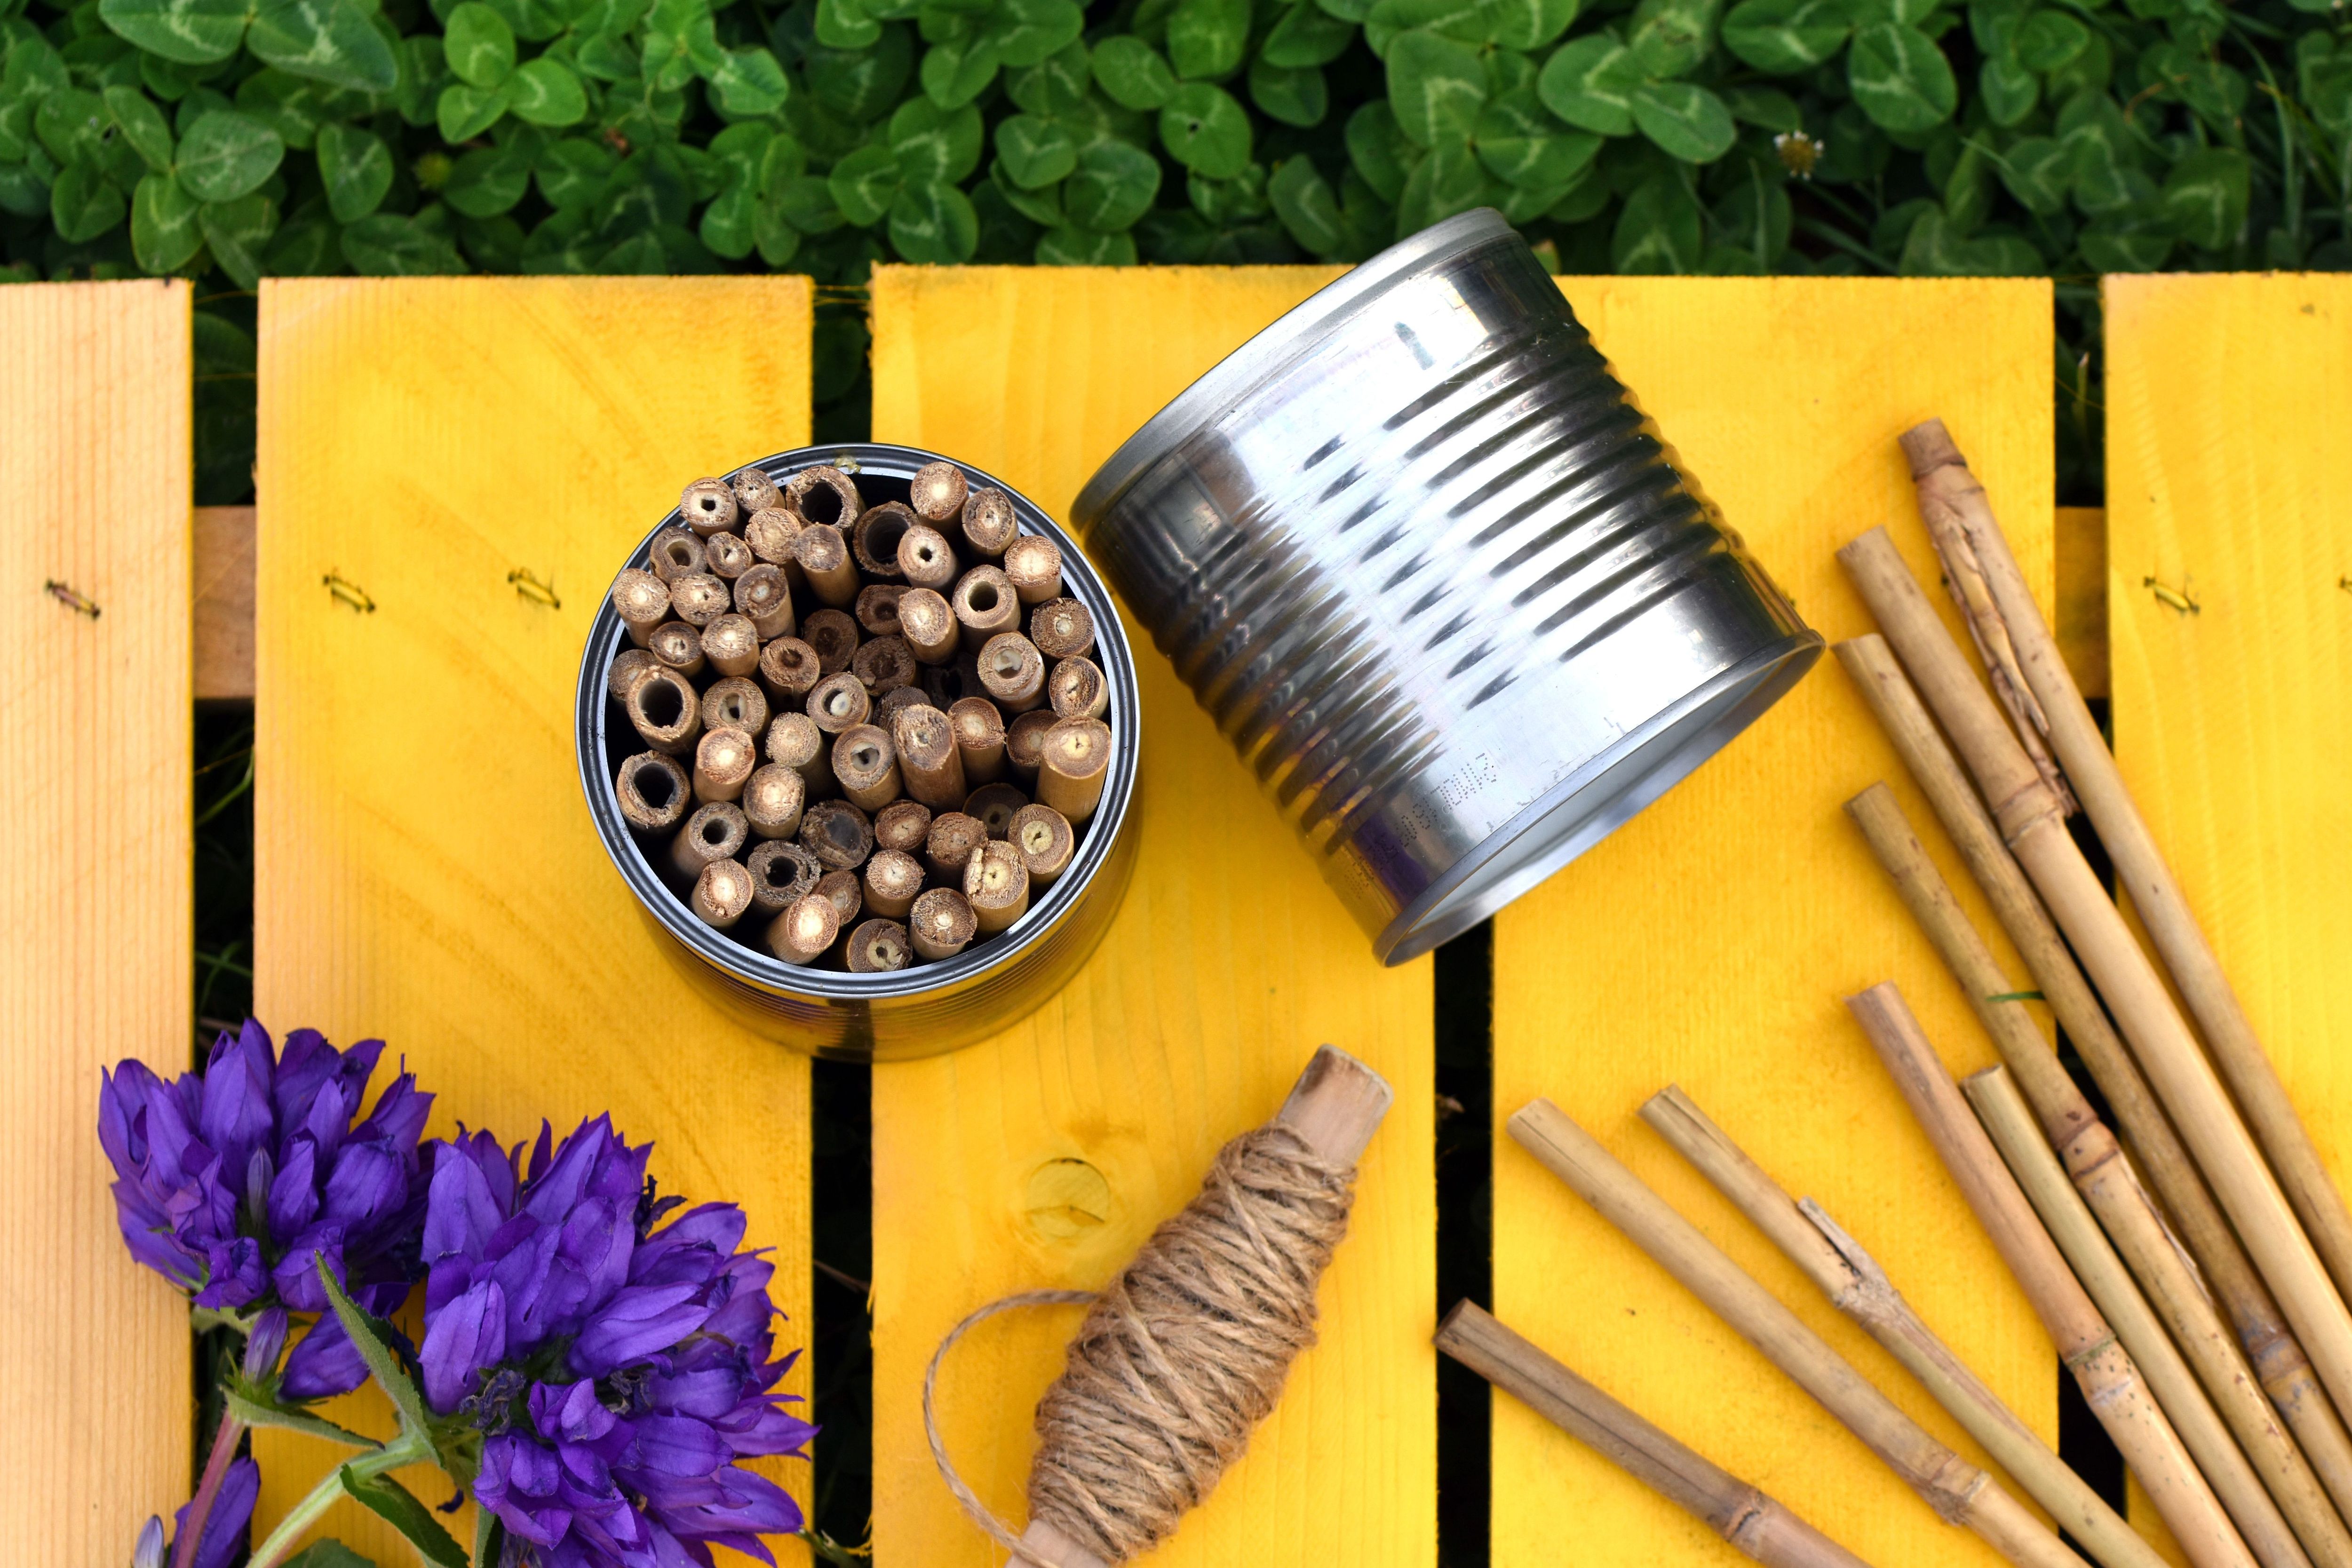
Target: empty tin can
{"type": "Point", "coordinates": [1443, 586]}
{"type": "Point", "coordinates": [927, 1008]}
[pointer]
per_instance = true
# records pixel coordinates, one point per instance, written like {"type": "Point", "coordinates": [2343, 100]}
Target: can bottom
{"type": "Point", "coordinates": [1596, 800]}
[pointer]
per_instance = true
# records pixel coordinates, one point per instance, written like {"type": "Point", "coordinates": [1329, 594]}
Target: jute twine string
{"type": "Point", "coordinates": [1180, 1357]}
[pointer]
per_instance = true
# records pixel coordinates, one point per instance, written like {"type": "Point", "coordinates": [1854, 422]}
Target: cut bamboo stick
{"type": "Point", "coordinates": [723, 761]}
{"type": "Point", "coordinates": [2108, 1183]}
{"type": "Point", "coordinates": [985, 605]}
{"type": "Point", "coordinates": [1859, 1287]}
{"type": "Point", "coordinates": [715, 832]}
{"type": "Point", "coordinates": [879, 947]}
{"type": "Point", "coordinates": [764, 596]}
{"type": "Point", "coordinates": [678, 646]}
{"type": "Point", "coordinates": [721, 894]}
{"type": "Point", "coordinates": [773, 799]}
{"type": "Point", "coordinates": [1755, 1523]}
{"type": "Point", "coordinates": [642, 601]}
{"type": "Point", "coordinates": [708, 505]}
{"type": "Point", "coordinates": [1075, 689]}
{"type": "Point", "coordinates": [989, 523]}
{"type": "Point", "coordinates": [1043, 840]}
{"type": "Point", "coordinates": [1024, 744]}
{"type": "Point", "coordinates": [665, 711]}
{"type": "Point", "coordinates": [925, 558]}
{"type": "Point", "coordinates": [938, 491]}
{"type": "Point", "coordinates": [928, 625]}
{"type": "Point", "coordinates": [874, 541]}
{"type": "Point", "coordinates": [782, 874]}
{"type": "Point", "coordinates": [2110, 1381]}
{"type": "Point", "coordinates": [755, 490]}
{"type": "Point", "coordinates": [995, 806]}
{"type": "Point", "coordinates": [996, 886]}
{"type": "Point", "coordinates": [731, 645]}
{"type": "Point", "coordinates": [941, 925]}
{"type": "Point", "coordinates": [834, 637]}
{"type": "Point", "coordinates": [895, 702]}
{"type": "Point", "coordinates": [699, 598]}
{"type": "Point", "coordinates": [822, 556]}
{"type": "Point", "coordinates": [824, 495]}
{"type": "Point", "coordinates": [675, 552]}
{"type": "Point", "coordinates": [980, 739]}
{"type": "Point", "coordinates": [794, 741]}
{"type": "Point", "coordinates": [1032, 564]}
{"type": "Point", "coordinates": [2161, 1039]}
{"type": "Point", "coordinates": [789, 669]}
{"type": "Point", "coordinates": [877, 609]}
{"type": "Point", "coordinates": [727, 557]}
{"type": "Point", "coordinates": [736, 703]}
{"type": "Point", "coordinates": [928, 758]}
{"type": "Point", "coordinates": [950, 845]}
{"type": "Point", "coordinates": [1073, 761]}
{"type": "Point", "coordinates": [1062, 628]}
{"type": "Point", "coordinates": [839, 703]}
{"type": "Point", "coordinates": [839, 834]}
{"type": "Point", "coordinates": [628, 665]}
{"type": "Point", "coordinates": [1950, 492]}
{"type": "Point", "coordinates": [654, 792]}
{"type": "Point", "coordinates": [884, 665]}
{"type": "Point", "coordinates": [802, 932]}
{"type": "Point", "coordinates": [845, 892]}
{"type": "Point", "coordinates": [893, 880]}
{"type": "Point", "coordinates": [770, 532]}
{"type": "Point", "coordinates": [1013, 672]}
{"type": "Point", "coordinates": [902, 824]}
{"type": "Point", "coordinates": [867, 764]}
{"type": "Point", "coordinates": [1959, 1492]}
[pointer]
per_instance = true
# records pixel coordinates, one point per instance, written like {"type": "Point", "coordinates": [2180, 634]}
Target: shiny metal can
{"type": "Point", "coordinates": [930, 1007]}
{"type": "Point", "coordinates": [1446, 590]}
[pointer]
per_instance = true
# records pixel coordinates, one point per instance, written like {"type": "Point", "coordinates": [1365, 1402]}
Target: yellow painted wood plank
{"type": "Point", "coordinates": [1709, 941]}
{"type": "Point", "coordinates": [426, 869]}
{"type": "Point", "coordinates": [2081, 542]}
{"type": "Point", "coordinates": [1044, 1156]}
{"type": "Point", "coordinates": [95, 899]}
{"type": "Point", "coordinates": [2228, 468]}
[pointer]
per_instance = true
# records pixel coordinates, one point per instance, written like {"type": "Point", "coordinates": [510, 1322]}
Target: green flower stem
{"type": "Point", "coordinates": [226, 1439]}
{"type": "Point", "coordinates": [408, 1449]}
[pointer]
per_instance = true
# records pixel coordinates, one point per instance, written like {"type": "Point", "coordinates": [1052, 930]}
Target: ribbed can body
{"type": "Point", "coordinates": [1442, 585]}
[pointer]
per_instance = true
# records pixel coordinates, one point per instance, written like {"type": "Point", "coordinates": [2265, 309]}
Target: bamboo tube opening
{"type": "Point", "coordinates": [675, 553]}
{"type": "Point", "coordinates": [642, 601]}
{"type": "Point", "coordinates": [654, 792]}
{"type": "Point", "coordinates": [834, 637]}
{"type": "Point", "coordinates": [730, 644]}
{"type": "Point", "coordinates": [736, 702]}
{"type": "Point", "coordinates": [822, 556]}
{"type": "Point", "coordinates": [884, 664]}
{"type": "Point", "coordinates": [995, 806]}
{"type": "Point", "coordinates": [879, 947]}
{"type": "Point", "coordinates": [941, 925]}
{"type": "Point", "coordinates": [727, 557]}
{"type": "Point", "coordinates": [723, 893]}
{"type": "Point", "coordinates": [843, 891]}
{"type": "Point", "coordinates": [716, 831]}
{"type": "Point", "coordinates": [756, 490]}
{"type": "Point", "coordinates": [1024, 746]}
{"type": "Point", "coordinates": [895, 702]}
{"type": "Point", "coordinates": [795, 741]}
{"type": "Point", "coordinates": [628, 665]}
{"type": "Point", "coordinates": [802, 932]}
{"type": "Point", "coordinates": [783, 873]}
{"type": "Point", "coordinates": [1076, 690]}
{"type": "Point", "coordinates": [949, 847]}
{"type": "Point", "coordinates": [824, 496]}
{"type": "Point", "coordinates": [789, 668]}
{"type": "Point", "coordinates": [771, 802]}
{"type": "Point", "coordinates": [989, 523]}
{"type": "Point", "coordinates": [1073, 760]}
{"type": "Point", "coordinates": [699, 598]}
{"type": "Point", "coordinates": [986, 604]}
{"type": "Point", "coordinates": [867, 764]}
{"type": "Point", "coordinates": [1013, 672]}
{"type": "Point", "coordinates": [764, 596]}
{"type": "Point", "coordinates": [723, 760]}
{"type": "Point", "coordinates": [1044, 841]}
{"type": "Point", "coordinates": [877, 609]}
{"type": "Point", "coordinates": [894, 878]}
{"type": "Point", "coordinates": [677, 647]}
{"type": "Point", "coordinates": [938, 491]}
{"type": "Point", "coordinates": [925, 558]}
{"type": "Point", "coordinates": [707, 506]}
{"type": "Point", "coordinates": [996, 886]}
{"type": "Point", "coordinates": [979, 731]}
{"type": "Point", "coordinates": [874, 541]}
{"type": "Point", "coordinates": [662, 707]}
{"type": "Point", "coordinates": [839, 703]}
{"type": "Point", "coordinates": [1062, 628]}
{"type": "Point", "coordinates": [839, 834]}
{"type": "Point", "coordinates": [902, 825]}
{"type": "Point", "coordinates": [928, 625]}
{"type": "Point", "coordinates": [1032, 564]}
{"type": "Point", "coordinates": [770, 532]}
{"type": "Point", "coordinates": [927, 757]}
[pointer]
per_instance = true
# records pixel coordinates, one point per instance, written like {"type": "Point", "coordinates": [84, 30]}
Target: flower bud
{"type": "Point", "coordinates": [263, 1343]}
{"type": "Point", "coordinates": [148, 1551]}
{"type": "Point", "coordinates": [260, 1172]}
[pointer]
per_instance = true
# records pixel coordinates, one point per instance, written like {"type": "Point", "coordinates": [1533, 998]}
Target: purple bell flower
{"type": "Point", "coordinates": [231, 1180]}
{"type": "Point", "coordinates": [619, 1373]}
{"type": "Point", "coordinates": [225, 1527]}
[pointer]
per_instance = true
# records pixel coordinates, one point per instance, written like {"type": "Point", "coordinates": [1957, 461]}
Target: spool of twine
{"type": "Point", "coordinates": [1180, 1357]}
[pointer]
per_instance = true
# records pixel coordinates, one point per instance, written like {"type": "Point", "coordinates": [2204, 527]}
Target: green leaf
{"type": "Point", "coordinates": [226, 155]}
{"type": "Point", "coordinates": [335, 1554]}
{"type": "Point", "coordinates": [1659, 230]}
{"type": "Point", "coordinates": [956, 72]}
{"type": "Point", "coordinates": [25, 188]}
{"type": "Point", "coordinates": [487, 181]}
{"type": "Point", "coordinates": [1034, 152]}
{"type": "Point", "coordinates": [1028, 32]}
{"type": "Point", "coordinates": [1436, 87]}
{"type": "Point", "coordinates": [1055, 84]}
{"type": "Point", "coordinates": [729, 223]}
{"type": "Point", "coordinates": [1900, 77]}
{"type": "Point", "coordinates": [465, 112]}
{"type": "Point", "coordinates": [1204, 130]}
{"type": "Point", "coordinates": [370, 1335]}
{"type": "Point", "coordinates": [270, 1413]}
{"type": "Point", "coordinates": [1132, 75]}
{"type": "Point", "coordinates": [1934, 249]}
{"type": "Point", "coordinates": [805, 201]}
{"type": "Point", "coordinates": [932, 144]}
{"type": "Point", "coordinates": [82, 204]}
{"type": "Point", "coordinates": [1764, 106]}
{"type": "Point", "coordinates": [163, 232]}
{"type": "Point", "coordinates": [356, 168]}
{"type": "Point", "coordinates": [333, 41]}
{"type": "Point", "coordinates": [843, 25]}
{"type": "Point", "coordinates": [1085, 247]}
{"type": "Point", "coordinates": [934, 224]}
{"type": "Point", "coordinates": [860, 86]}
{"type": "Point", "coordinates": [237, 233]}
{"type": "Point", "coordinates": [1042, 206]}
{"type": "Point", "coordinates": [1378, 149]}
{"type": "Point", "coordinates": [2007, 89]}
{"type": "Point", "coordinates": [1785, 37]}
{"type": "Point", "coordinates": [72, 125]}
{"type": "Point", "coordinates": [1527, 148]}
{"type": "Point", "coordinates": [1449, 180]}
{"type": "Point", "coordinates": [1293, 97]}
{"type": "Point", "coordinates": [863, 183]}
{"type": "Point", "coordinates": [2108, 178]}
{"type": "Point", "coordinates": [1303, 201]}
{"type": "Point", "coordinates": [192, 32]}
{"type": "Point", "coordinates": [1207, 37]}
{"type": "Point", "coordinates": [1688, 121]}
{"type": "Point", "coordinates": [2051, 40]}
{"type": "Point", "coordinates": [1589, 82]}
{"type": "Point", "coordinates": [2125, 244]}
{"type": "Point", "coordinates": [1464, 21]}
{"type": "Point", "coordinates": [479, 44]}
{"type": "Point", "coordinates": [2037, 172]}
{"type": "Point", "coordinates": [1528, 25]}
{"type": "Point", "coordinates": [748, 84]}
{"type": "Point", "coordinates": [1307, 35]}
{"type": "Point", "coordinates": [1670, 36]}
{"type": "Point", "coordinates": [396, 1505]}
{"type": "Point", "coordinates": [2205, 197]}
{"type": "Point", "coordinates": [544, 91]}
{"type": "Point", "coordinates": [142, 125]}
{"type": "Point", "coordinates": [1113, 185]}
{"type": "Point", "coordinates": [572, 173]}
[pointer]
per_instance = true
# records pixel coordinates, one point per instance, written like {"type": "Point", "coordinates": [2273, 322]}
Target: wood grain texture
{"type": "Point", "coordinates": [1709, 941]}
{"type": "Point", "coordinates": [2228, 399]}
{"type": "Point", "coordinates": [1044, 1156]}
{"type": "Point", "coordinates": [426, 868]}
{"type": "Point", "coordinates": [221, 595]}
{"type": "Point", "coordinates": [95, 899]}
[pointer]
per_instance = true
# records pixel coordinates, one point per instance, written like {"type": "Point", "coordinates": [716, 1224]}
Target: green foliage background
{"type": "Point", "coordinates": [224, 140]}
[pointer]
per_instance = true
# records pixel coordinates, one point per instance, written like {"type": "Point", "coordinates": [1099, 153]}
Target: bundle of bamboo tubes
{"type": "Point", "coordinates": [2191, 1263]}
{"type": "Point", "coordinates": [828, 681]}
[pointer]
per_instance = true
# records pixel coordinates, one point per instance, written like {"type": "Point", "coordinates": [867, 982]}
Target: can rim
{"type": "Point", "coordinates": [1290, 335]}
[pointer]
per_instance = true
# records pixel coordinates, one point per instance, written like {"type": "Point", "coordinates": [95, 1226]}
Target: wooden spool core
{"type": "Point", "coordinates": [938, 491]}
{"type": "Point", "coordinates": [843, 891]}
{"type": "Point", "coordinates": [1073, 761]}
{"type": "Point", "coordinates": [628, 665]}
{"type": "Point", "coordinates": [884, 664]}
{"type": "Point", "coordinates": [1075, 689]}
{"type": "Point", "coordinates": [878, 608]}
{"type": "Point", "coordinates": [1033, 564]}
{"type": "Point", "coordinates": [715, 832]}
{"type": "Point", "coordinates": [879, 947]}
{"type": "Point", "coordinates": [925, 558]}
{"type": "Point", "coordinates": [727, 557]}
{"type": "Point", "coordinates": [996, 886]}
{"type": "Point", "coordinates": [707, 506]}
{"type": "Point", "coordinates": [764, 596]}
{"type": "Point", "coordinates": [802, 932]}
{"type": "Point", "coordinates": [642, 601]}
{"type": "Point", "coordinates": [823, 555]}
{"type": "Point", "coordinates": [893, 880]}
{"type": "Point", "coordinates": [770, 532]}
{"type": "Point", "coordinates": [834, 637]}
{"type": "Point", "coordinates": [771, 801]}
{"type": "Point", "coordinates": [730, 644]}
{"type": "Point", "coordinates": [795, 741]}
{"type": "Point", "coordinates": [678, 647]}
{"type": "Point", "coordinates": [941, 925]}
{"type": "Point", "coordinates": [721, 894]}
{"type": "Point", "coordinates": [874, 541]}
{"type": "Point", "coordinates": [723, 760]}
{"type": "Point", "coordinates": [928, 759]}
{"type": "Point", "coordinates": [1062, 628]}
{"type": "Point", "coordinates": [755, 490]}
{"type": "Point", "coordinates": [735, 702]}
{"type": "Point", "coordinates": [928, 625]}
{"type": "Point", "coordinates": [654, 792]}
{"type": "Point", "coordinates": [789, 668]}
{"type": "Point", "coordinates": [1013, 672]}
{"type": "Point", "coordinates": [824, 495]}
{"type": "Point", "coordinates": [839, 834]}
{"type": "Point", "coordinates": [902, 825]}
{"type": "Point", "coordinates": [980, 739]}
{"type": "Point", "coordinates": [950, 845]}
{"type": "Point", "coordinates": [783, 873]}
{"type": "Point", "coordinates": [675, 552]}
{"type": "Point", "coordinates": [867, 764]}
{"type": "Point", "coordinates": [839, 703]}
{"type": "Point", "coordinates": [1024, 744]}
{"type": "Point", "coordinates": [698, 598]}
{"type": "Point", "coordinates": [665, 711]}
{"type": "Point", "coordinates": [984, 604]}
{"type": "Point", "coordinates": [995, 806]}
{"type": "Point", "coordinates": [1044, 841]}
{"type": "Point", "coordinates": [989, 523]}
